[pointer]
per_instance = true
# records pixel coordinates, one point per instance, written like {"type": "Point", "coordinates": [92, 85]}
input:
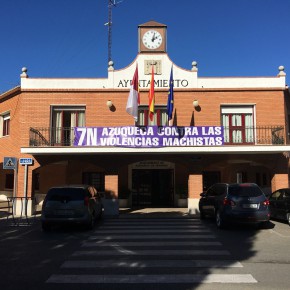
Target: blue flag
{"type": "Point", "coordinates": [170, 101]}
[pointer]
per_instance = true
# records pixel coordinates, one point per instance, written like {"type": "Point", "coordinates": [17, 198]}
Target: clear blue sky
{"type": "Point", "coordinates": [67, 38]}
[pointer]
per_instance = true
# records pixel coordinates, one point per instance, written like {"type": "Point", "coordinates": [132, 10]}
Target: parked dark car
{"type": "Point", "coordinates": [71, 204]}
{"type": "Point", "coordinates": [235, 203]}
{"type": "Point", "coordinates": [280, 204]}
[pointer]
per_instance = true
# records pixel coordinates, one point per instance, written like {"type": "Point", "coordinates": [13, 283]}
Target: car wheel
{"type": "Point", "coordinates": [201, 214]}
{"type": "Point", "coordinates": [220, 223]}
{"type": "Point", "coordinates": [45, 227]}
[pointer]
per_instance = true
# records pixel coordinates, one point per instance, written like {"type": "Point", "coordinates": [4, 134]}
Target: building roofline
{"type": "Point", "coordinates": [152, 23]}
{"type": "Point", "coordinates": [10, 93]}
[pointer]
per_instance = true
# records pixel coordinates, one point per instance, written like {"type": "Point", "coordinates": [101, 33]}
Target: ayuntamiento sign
{"type": "Point", "coordinates": [149, 136]}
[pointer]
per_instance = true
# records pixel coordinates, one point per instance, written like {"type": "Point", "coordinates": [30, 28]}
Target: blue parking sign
{"type": "Point", "coordinates": [26, 161]}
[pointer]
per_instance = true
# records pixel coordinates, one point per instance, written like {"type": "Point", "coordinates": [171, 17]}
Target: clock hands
{"type": "Point", "coordinates": [154, 37]}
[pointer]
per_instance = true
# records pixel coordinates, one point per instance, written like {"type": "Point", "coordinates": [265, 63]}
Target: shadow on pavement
{"type": "Point", "coordinates": [155, 213]}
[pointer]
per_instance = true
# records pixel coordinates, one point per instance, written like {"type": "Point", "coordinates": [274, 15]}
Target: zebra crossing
{"type": "Point", "coordinates": [151, 251]}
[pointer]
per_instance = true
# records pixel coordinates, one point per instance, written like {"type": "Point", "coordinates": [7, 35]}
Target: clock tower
{"type": "Point", "coordinates": [152, 37]}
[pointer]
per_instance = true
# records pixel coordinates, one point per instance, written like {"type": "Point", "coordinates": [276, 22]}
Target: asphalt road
{"type": "Point", "coordinates": [145, 253]}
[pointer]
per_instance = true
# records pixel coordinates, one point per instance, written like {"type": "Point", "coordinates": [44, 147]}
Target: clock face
{"type": "Point", "coordinates": [152, 39]}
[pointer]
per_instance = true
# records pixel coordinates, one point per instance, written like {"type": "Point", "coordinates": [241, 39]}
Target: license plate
{"type": "Point", "coordinates": [250, 205]}
{"type": "Point", "coordinates": [64, 212]}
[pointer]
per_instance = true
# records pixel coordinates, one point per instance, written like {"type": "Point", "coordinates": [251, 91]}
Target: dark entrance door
{"type": "Point", "coordinates": [152, 187]}
{"type": "Point", "coordinates": [209, 178]}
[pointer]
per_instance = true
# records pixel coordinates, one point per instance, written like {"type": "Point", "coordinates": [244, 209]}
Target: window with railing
{"type": "Point", "coordinates": [238, 124]}
{"type": "Point", "coordinates": [64, 119]}
{"type": "Point", "coordinates": [160, 116]}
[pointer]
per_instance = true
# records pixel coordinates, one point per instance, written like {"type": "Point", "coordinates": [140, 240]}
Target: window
{"type": "Point", "coordinates": [276, 195]}
{"type": "Point", "coordinates": [5, 124]}
{"type": "Point", "coordinates": [244, 191]}
{"type": "Point", "coordinates": [215, 190]}
{"type": "Point", "coordinates": [64, 119]}
{"type": "Point", "coordinates": [96, 179]}
{"type": "Point", "coordinates": [9, 181]}
{"type": "Point", "coordinates": [261, 179]}
{"type": "Point", "coordinates": [242, 177]}
{"type": "Point", "coordinates": [220, 189]}
{"type": "Point", "coordinates": [286, 194]}
{"type": "Point", "coordinates": [209, 178]}
{"type": "Point", "coordinates": [210, 192]}
{"type": "Point", "coordinates": [160, 116]}
{"type": "Point", "coordinates": [238, 124]}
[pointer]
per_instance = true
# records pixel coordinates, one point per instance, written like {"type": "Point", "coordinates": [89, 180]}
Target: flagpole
{"type": "Point", "coordinates": [170, 101]}
{"type": "Point", "coordinates": [151, 96]}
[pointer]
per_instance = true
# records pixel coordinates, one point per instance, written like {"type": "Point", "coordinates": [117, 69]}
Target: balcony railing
{"type": "Point", "coordinates": [52, 136]}
{"type": "Point", "coordinates": [260, 135]}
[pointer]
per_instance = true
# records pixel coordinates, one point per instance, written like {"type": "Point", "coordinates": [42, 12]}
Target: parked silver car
{"type": "Point", "coordinates": [71, 204]}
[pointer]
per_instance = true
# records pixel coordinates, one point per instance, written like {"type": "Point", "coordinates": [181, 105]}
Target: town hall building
{"type": "Point", "coordinates": [56, 131]}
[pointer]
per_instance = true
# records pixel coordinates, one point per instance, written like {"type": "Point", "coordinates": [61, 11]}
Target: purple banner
{"type": "Point", "coordinates": [150, 136]}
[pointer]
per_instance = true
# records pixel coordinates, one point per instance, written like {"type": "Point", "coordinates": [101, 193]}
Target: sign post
{"type": "Point", "coordinates": [25, 162]}
{"type": "Point", "coordinates": [11, 163]}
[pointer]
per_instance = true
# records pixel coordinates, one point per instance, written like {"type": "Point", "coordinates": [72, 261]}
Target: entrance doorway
{"type": "Point", "coordinates": [152, 187]}
{"type": "Point", "coordinates": [209, 178]}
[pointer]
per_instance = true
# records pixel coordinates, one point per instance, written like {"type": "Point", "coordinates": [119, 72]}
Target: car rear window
{"type": "Point", "coordinates": [287, 193]}
{"type": "Point", "coordinates": [69, 194]}
{"type": "Point", "coordinates": [245, 190]}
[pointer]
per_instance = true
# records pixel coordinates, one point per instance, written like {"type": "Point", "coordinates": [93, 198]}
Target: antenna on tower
{"type": "Point", "coordinates": [111, 5]}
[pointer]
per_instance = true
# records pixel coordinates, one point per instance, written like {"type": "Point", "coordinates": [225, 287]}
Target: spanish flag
{"type": "Point", "coordinates": [151, 96]}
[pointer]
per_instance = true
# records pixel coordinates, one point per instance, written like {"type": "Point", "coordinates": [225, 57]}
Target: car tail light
{"type": "Point", "coordinates": [266, 202]}
{"type": "Point", "coordinates": [229, 202]}
{"type": "Point", "coordinates": [86, 201]}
